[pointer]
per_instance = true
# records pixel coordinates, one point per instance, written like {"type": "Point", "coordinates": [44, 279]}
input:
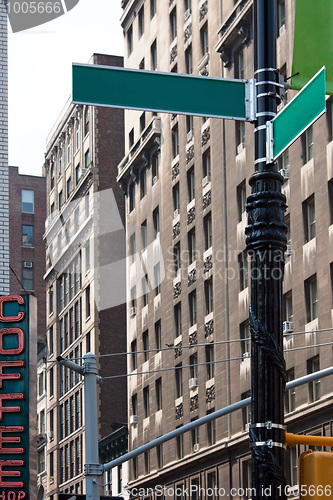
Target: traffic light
{"type": "Point", "coordinates": [74, 496]}
{"type": "Point", "coordinates": [316, 475]}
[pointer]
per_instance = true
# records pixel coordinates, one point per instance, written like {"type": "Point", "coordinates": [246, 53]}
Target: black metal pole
{"type": "Point", "coordinates": [266, 244]}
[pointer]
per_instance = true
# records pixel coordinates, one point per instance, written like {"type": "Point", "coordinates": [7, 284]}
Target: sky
{"type": "Point", "coordinates": [39, 73]}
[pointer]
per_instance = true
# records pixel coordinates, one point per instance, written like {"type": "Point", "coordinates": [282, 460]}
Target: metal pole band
{"type": "Point", "coordinates": [269, 443]}
{"type": "Point", "coordinates": [268, 425]}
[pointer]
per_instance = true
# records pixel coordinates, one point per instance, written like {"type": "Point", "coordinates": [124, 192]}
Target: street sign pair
{"type": "Point", "coordinates": [198, 95]}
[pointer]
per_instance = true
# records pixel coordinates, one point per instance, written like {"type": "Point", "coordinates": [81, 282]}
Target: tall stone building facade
{"type": "Point", "coordinates": [186, 182]}
{"type": "Point", "coordinates": [84, 235]}
{"type": "Point", "coordinates": [4, 194]}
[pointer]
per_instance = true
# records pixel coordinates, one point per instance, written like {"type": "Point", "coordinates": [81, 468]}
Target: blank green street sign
{"type": "Point", "coordinates": [162, 92]}
{"type": "Point", "coordinates": [299, 114]}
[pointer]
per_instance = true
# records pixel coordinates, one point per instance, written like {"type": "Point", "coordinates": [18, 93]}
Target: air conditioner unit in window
{"type": "Point", "coordinates": [133, 420]}
{"type": "Point", "coordinates": [246, 355]}
{"type": "Point", "coordinates": [240, 147]}
{"type": "Point", "coordinates": [205, 181]}
{"type": "Point", "coordinates": [187, 14]}
{"type": "Point", "coordinates": [288, 327]}
{"type": "Point", "coordinates": [193, 383]}
{"type": "Point", "coordinates": [132, 311]}
{"type": "Point", "coordinates": [50, 435]}
{"type": "Point", "coordinates": [175, 213]}
{"type": "Point", "coordinates": [189, 135]}
{"type": "Point", "coordinates": [288, 251]}
{"type": "Point", "coordinates": [155, 179]}
{"type": "Point", "coordinates": [83, 171]}
{"type": "Point", "coordinates": [27, 264]}
{"type": "Point", "coordinates": [285, 173]}
{"type": "Point", "coordinates": [196, 447]}
{"type": "Point", "coordinates": [282, 29]}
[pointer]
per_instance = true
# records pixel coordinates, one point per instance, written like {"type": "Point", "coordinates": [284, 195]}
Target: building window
{"type": "Point", "coordinates": [210, 366]}
{"type": "Point", "coordinates": [241, 200]}
{"type": "Point", "coordinates": [28, 275]}
{"type": "Point", "coordinates": [88, 307]}
{"type": "Point", "coordinates": [209, 298]}
{"type": "Point", "coordinates": [240, 136]}
{"type": "Point", "coordinates": [69, 186]}
{"type": "Point", "coordinates": [132, 248]}
{"type": "Point", "coordinates": [133, 299]}
{"type": "Point", "coordinates": [60, 163]}
{"type": "Point", "coordinates": [308, 144]}
{"type": "Point", "coordinates": [309, 215]}
{"type": "Point", "coordinates": [281, 17]}
{"type": "Point", "coordinates": [129, 37]}
{"type": "Point", "coordinates": [189, 127]}
{"type": "Point", "coordinates": [189, 60]}
{"type": "Point", "coordinates": [144, 234]}
{"type": "Point", "coordinates": [131, 138]}
{"type": "Point", "coordinates": [177, 257]}
{"type": "Point", "coordinates": [157, 278]}
{"type": "Point", "coordinates": [204, 40]}
{"type": "Point", "coordinates": [158, 335]}
{"type": "Point", "coordinates": [211, 430]}
{"type": "Point", "coordinates": [27, 236]}
{"type": "Point", "coordinates": [288, 309]}
{"type": "Point", "coordinates": [173, 24]}
{"type": "Point", "coordinates": [193, 308]}
{"type": "Point", "coordinates": [175, 141]}
{"type": "Point", "coordinates": [313, 365]}
{"type": "Point", "coordinates": [155, 167]}
{"type": "Point", "coordinates": [179, 381]}
{"type": "Point", "coordinates": [77, 137]}
{"type": "Point", "coordinates": [134, 400]}
{"type": "Point", "coordinates": [245, 335]}
{"type": "Point", "coordinates": [290, 395]}
{"type": "Point", "coordinates": [152, 8]}
{"type": "Point", "coordinates": [87, 159]}
{"type": "Point", "coordinates": [195, 436]}
{"type": "Point", "coordinates": [153, 55]}
{"type": "Point", "coordinates": [156, 222]}
{"type": "Point", "coordinates": [246, 411]}
{"type": "Point", "coordinates": [134, 355]}
{"type": "Point", "coordinates": [144, 284]}
{"type": "Point", "coordinates": [178, 319]}
{"type": "Point", "coordinates": [211, 484]}
{"type": "Point", "coordinates": [52, 176]}
{"type": "Point", "coordinates": [208, 231]}
{"type": "Point", "coordinates": [86, 120]}
{"type": "Point", "coordinates": [247, 473]}
{"type": "Point", "coordinates": [191, 246]}
{"type": "Point", "coordinates": [145, 345]}
{"type": "Point", "coordinates": [131, 195]}
{"type": "Point", "coordinates": [141, 21]}
{"type": "Point", "coordinates": [176, 199]}
{"type": "Point", "coordinates": [158, 392]}
{"type": "Point", "coordinates": [243, 270]}
{"type": "Point", "coordinates": [206, 166]}
{"type": "Point", "coordinates": [191, 184]}
{"type": "Point", "coordinates": [194, 366]}
{"type": "Point", "coordinates": [146, 401]}
{"type": "Point", "coordinates": [311, 298]}
{"type": "Point", "coordinates": [159, 456]}
{"type": "Point", "coordinates": [28, 201]}
{"type": "Point", "coordinates": [143, 183]}
{"type": "Point", "coordinates": [239, 64]}
{"type": "Point", "coordinates": [51, 344]}
{"type": "Point", "coordinates": [142, 122]}
{"type": "Point", "coordinates": [41, 460]}
{"type": "Point", "coordinates": [68, 151]}
{"type": "Point", "coordinates": [180, 446]}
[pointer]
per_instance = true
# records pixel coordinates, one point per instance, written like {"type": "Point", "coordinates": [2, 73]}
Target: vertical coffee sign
{"type": "Point", "coordinates": [17, 358]}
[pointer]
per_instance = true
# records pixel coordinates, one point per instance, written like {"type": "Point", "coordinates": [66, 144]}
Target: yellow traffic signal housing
{"type": "Point", "coordinates": [316, 475]}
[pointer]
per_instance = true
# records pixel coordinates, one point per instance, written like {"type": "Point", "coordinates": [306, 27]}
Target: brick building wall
{"type": "Point", "coordinates": [23, 250]}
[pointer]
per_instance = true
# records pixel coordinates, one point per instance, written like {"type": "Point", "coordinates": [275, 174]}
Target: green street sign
{"type": "Point", "coordinates": [163, 92]}
{"type": "Point", "coordinates": [297, 116]}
